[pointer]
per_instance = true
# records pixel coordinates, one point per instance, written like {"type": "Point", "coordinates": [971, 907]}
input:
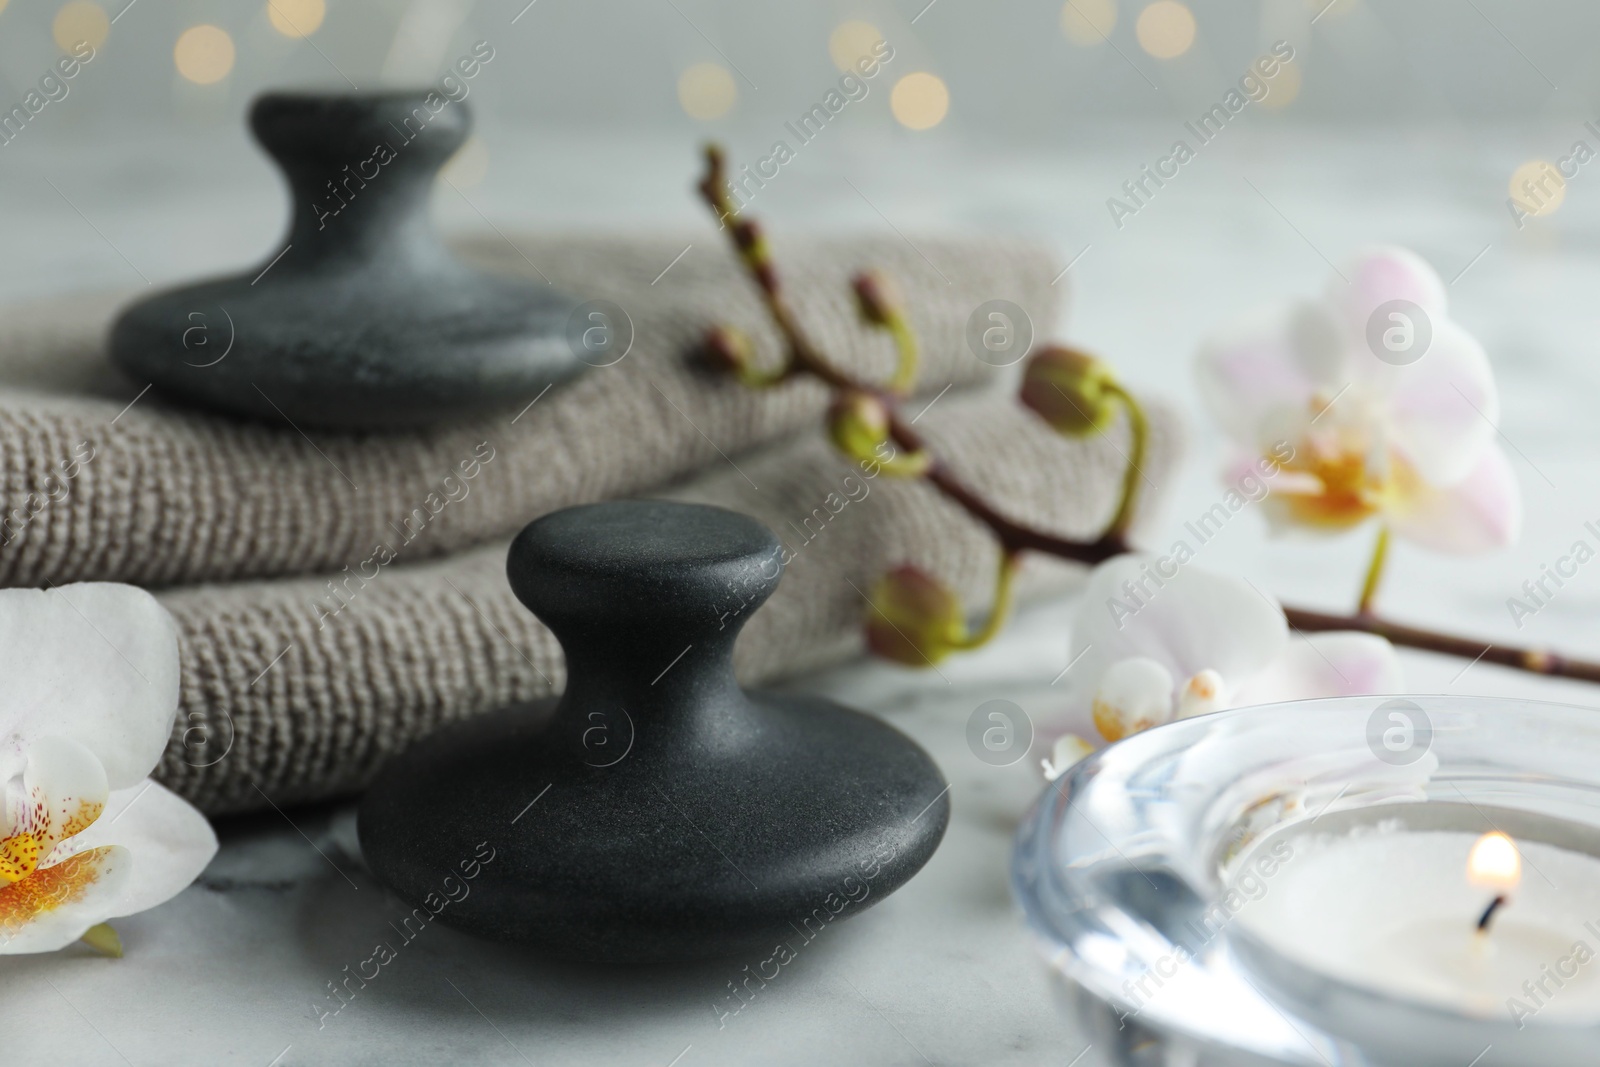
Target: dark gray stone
{"type": "Point", "coordinates": [657, 812]}
{"type": "Point", "coordinates": [363, 319]}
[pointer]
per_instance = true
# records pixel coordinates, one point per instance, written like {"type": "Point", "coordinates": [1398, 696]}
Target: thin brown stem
{"type": "Point", "coordinates": [1012, 535]}
{"type": "Point", "coordinates": [751, 245]}
{"type": "Point", "coordinates": [803, 357]}
{"type": "Point", "coordinates": [1534, 660]}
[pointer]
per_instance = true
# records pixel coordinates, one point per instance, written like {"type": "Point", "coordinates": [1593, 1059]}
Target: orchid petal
{"type": "Point", "coordinates": [171, 843]}
{"type": "Point", "coordinates": [94, 662]}
{"type": "Point", "coordinates": [1260, 376]}
{"type": "Point", "coordinates": [1383, 274]}
{"type": "Point", "coordinates": [1324, 665]}
{"type": "Point", "coordinates": [1189, 622]}
{"type": "Point", "coordinates": [1444, 407]}
{"type": "Point", "coordinates": [1483, 511]}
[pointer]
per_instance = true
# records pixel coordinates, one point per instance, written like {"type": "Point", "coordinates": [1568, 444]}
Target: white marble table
{"type": "Point", "coordinates": [235, 969]}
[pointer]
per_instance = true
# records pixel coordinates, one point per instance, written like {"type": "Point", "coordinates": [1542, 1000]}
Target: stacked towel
{"type": "Point", "coordinates": [340, 595]}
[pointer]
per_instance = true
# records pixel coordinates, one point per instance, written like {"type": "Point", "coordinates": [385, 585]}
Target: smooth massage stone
{"type": "Point", "coordinates": [363, 319]}
{"type": "Point", "coordinates": [656, 812]}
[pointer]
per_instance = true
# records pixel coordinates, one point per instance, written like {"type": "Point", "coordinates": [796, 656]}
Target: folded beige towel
{"type": "Point", "coordinates": [323, 635]}
{"type": "Point", "coordinates": [92, 488]}
{"type": "Point", "coordinates": [286, 697]}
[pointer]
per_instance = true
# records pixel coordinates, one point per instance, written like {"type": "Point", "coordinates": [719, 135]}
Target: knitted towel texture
{"type": "Point", "coordinates": [339, 596]}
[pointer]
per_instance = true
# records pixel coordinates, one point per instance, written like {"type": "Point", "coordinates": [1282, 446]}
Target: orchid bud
{"type": "Point", "coordinates": [1134, 694]}
{"type": "Point", "coordinates": [1070, 390]}
{"type": "Point", "coordinates": [728, 348]}
{"type": "Point", "coordinates": [1069, 750]}
{"type": "Point", "coordinates": [915, 618]}
{"type": "Point", "coordinates": [877, 298]}
{"type": "Point", "coordinates": [858, 422]}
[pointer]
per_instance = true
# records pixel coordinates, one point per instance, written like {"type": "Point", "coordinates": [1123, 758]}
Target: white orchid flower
{"type": "Point", "coordinates": [1148, 649]}
{"type": "Point", "coordinates": [91, 673]}
{"type": "Point", "coordinates": [1376, 404]}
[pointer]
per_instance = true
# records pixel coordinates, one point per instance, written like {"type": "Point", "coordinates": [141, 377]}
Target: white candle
{"type": "Point", "coordinates": [1398, 910]}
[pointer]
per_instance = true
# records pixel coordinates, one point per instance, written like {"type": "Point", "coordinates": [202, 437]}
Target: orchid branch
{"type": "Point", "coordinates": [1533, 660]}
{"type": "Point", "coordinates": [878, 308]}
{"type": "Point", "coordinates": [1072, 391]}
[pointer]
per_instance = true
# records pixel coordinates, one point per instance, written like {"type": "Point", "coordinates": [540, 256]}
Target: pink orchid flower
{"type": "Point", "coordinates": [1387, 407]}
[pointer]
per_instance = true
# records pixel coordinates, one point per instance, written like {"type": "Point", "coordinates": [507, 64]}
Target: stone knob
{"type": "Point", "coordinates": [677, 815]}
{"type": "Point", "coordinates": [362, 318]}
{"type": "Point", "coordinates": [336, 150]}
{"type": "Point", "coordinates": [646, 598]}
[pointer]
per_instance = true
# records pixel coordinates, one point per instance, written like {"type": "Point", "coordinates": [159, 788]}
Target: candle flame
{"type": "Point", "coordinates": [1495, 862]}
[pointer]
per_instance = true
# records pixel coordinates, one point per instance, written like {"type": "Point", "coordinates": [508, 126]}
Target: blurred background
{"type": "Point", "coordinates": [589, 113]}
{"type": "Point", "coordinates": [1397, 121]}
{"type": "Point", "coordinates": [1024, 68]}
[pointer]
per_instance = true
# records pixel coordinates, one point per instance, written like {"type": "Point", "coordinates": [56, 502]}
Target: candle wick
{"type": "Point", "coordinates": [1488, 913]}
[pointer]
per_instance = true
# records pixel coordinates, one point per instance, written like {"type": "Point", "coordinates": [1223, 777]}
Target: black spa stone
{"type": "Point", "coordinates": [656, 812]}
{"type": "Point", "coordinates": [362, 318]}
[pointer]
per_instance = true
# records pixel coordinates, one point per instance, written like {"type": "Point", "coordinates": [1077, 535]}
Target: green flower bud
{"type": "Point", "coordinates": [729, 349]}
{"type": "Point", "coordinates": [1074, 392]}
{"type": "Point", "coordinates": [876, 297]}
{"type": "Point", "coordinates": [915, 619]}
{"type": "Point", "coordinates": [858, 423]}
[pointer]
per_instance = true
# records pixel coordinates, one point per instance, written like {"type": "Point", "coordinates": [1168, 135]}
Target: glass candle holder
{"type": "Point", "coordinates": [1298, 884]}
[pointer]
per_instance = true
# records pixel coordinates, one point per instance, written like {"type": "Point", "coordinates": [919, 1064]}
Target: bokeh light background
{"type": "Point", "coordinates": [614, 96]}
